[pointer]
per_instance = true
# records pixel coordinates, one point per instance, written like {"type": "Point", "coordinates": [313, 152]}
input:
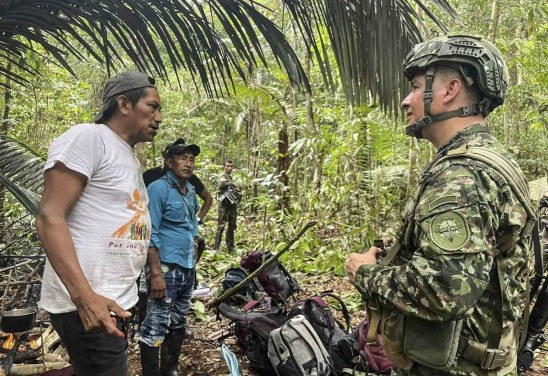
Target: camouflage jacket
{"type": "Point", "coordinates": [465, 210]}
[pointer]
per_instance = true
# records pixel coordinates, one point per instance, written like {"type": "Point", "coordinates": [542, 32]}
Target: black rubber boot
{"type": "Point", "coordinates": [150, 359]}
{"type": "Point", "coordinates": [171, 348]}
{"type": "Point", "coordinates": [218, 238]}
{"type": "Point", "coordinates": [230, 239]}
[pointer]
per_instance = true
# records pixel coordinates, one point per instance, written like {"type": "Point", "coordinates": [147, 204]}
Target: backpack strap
{"type": "Point", "coordinates": [504, 168]}
{"type": "Point", "coordinates": [532, 289]}
{"type": "Point", "coordinates": [492, 357]}
{"type": "Point", "coordinates": [344, 308]}
{"type": "Point", "coordinates": [539, 267]}
{"type": "Point", "coordinates": [306, 331]}
{"type": "Point", "coordinates": [290, 280]}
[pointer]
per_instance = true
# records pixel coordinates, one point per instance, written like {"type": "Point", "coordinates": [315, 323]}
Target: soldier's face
{"type": "Point", "coordinates": [229, 167]}
{"type": "Point", "coordinates": [182, 165]}
{"type": "Point", "coordinates": [413, 104]}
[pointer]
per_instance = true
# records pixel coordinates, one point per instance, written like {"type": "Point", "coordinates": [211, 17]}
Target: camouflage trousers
{"type": "Point", "coordinates": [227, 216]}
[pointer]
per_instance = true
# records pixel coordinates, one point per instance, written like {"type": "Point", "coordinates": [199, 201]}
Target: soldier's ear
{"type": "Point", "coordinates": [169, 162]}
{"type": "Point", "coordinates": [451, 90]}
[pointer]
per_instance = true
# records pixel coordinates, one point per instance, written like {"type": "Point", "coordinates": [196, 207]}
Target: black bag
{"type": "Point", "coordinates": [233, 276]}
{"type": "Point", "coordinates": [275, 279]}
{"type": "Point", "coordinates": [252, 331]}
{"type": "Point", "coordinates": [353, 356]}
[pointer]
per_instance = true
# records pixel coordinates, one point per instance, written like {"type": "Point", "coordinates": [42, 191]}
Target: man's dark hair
{"type": "Point", "coordinates": [228, 161]}
{"type": "Point", "coordinates": [132, 96]}
{"type": "Point", "coordinates": [473, 92]}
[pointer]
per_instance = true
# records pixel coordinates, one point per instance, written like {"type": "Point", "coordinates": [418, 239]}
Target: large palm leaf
{"type": "Point", "coordinates": [370, 39]}
{"type": "Point", "coordinates": [111, 31]}
{"type": "Point", "coordinates": [21, 173]}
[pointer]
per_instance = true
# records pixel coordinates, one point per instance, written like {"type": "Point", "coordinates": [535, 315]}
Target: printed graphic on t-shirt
{"type": "Point", "coordinates": [137, 228]}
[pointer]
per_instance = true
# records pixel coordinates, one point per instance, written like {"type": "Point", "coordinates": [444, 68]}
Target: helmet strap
{"type": "Point", "coordinates": [415, 129]}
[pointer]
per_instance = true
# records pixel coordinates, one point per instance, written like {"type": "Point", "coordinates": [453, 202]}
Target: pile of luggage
{"type": "Point", "coordinates": [282, 335]}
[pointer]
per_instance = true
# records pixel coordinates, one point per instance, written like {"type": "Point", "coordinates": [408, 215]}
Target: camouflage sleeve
{"type": "Point", "coordinates": [454, 239]}
{"type": "Point", "coordinates": [222, 181]}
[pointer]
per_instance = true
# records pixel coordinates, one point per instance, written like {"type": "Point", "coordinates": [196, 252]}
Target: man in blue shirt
{"type": "Point", "coordinates": [171, 262]}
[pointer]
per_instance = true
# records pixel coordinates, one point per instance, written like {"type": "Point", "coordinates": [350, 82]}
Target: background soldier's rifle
{"type": "Point", "coordinates": [231, 194]}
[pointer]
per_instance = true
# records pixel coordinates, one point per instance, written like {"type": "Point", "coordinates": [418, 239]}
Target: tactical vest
{"type": "Point", "coordinates": [435, 345]}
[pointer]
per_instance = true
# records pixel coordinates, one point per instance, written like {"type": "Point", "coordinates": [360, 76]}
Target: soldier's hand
{"type": "Point", "coordinates": [355, 260]}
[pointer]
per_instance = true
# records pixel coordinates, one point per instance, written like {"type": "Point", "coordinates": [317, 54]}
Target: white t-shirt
{"type": "Point", "coordinates": [110, 223]}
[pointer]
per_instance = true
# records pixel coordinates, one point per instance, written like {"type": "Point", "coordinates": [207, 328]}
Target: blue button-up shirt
{"type": "Point", "coordinates": [174, 223]}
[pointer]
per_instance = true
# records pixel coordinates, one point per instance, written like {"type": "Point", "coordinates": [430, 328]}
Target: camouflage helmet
{"type": "Point", "coordinates": [489, 71]}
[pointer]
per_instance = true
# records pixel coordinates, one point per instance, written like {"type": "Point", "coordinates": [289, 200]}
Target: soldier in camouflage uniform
{"type": "Point", "coordinates": [462, 256]}
{"type": "Point", "coordinates": [229, 196]}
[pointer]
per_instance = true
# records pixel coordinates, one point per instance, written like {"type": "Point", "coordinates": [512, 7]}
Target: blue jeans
{"type": "Point", "coordinates": [170, 312]}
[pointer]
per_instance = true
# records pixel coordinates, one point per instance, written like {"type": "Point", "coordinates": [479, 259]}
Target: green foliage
{"type": "Point", "coordinates": [347, 166]}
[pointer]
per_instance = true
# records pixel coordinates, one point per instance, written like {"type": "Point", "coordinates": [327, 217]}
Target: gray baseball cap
{"type": "Point", "coordinates": [121, 83]}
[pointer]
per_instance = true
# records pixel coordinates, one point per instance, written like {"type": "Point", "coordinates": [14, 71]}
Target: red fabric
{"type": "Point", "coordinates": [67, 371]}
{"type": "Point", "coordinates": [375, 355]}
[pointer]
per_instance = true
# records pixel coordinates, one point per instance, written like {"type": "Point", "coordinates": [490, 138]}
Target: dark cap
{"type": "Point", "coordinates": [179, 141]}
{"type": "Point", "coordinates": [180, 149]}
{"type": "Point", "coordinates": [122, 83]}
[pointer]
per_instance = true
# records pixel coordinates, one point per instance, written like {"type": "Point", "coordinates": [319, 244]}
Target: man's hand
{"type": "Point", "coordinates": [157, 286]}
{"type": "Point", "coordinates": [95, 312]}
{"type": "Point", "coordinates": [355, 260]}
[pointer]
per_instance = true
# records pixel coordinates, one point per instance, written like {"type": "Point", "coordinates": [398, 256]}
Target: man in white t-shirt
{"type": "Point", "coordinates": [95, 226]}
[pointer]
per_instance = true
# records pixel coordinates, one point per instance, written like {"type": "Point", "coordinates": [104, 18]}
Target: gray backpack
{"type": "Point", "coordinates": [295, 349]}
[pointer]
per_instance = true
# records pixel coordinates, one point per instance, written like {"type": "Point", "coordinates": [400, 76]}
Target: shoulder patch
{"type": "Point", "coordinates": [441, 201]}
{"type": "Point", "coordinates": [449, 231]}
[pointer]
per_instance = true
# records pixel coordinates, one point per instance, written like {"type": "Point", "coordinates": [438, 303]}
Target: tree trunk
{"type": "Point", "coordinates": [366, 185]}
{"type": "Point", "coordinates": [296, 134]}
{"type": "Point", "coordinates": [283, 165]}
{"type": "Point", "coordinates": [311, 126]}
{"type": "Point", "coordinates": [253, 145]}
{"type": "Point", "coordinates": [494, 26]}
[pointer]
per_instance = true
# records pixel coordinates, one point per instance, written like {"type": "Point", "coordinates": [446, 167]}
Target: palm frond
{"type": "Point", "coordinates": [370, 39]}
{"type": "Point", "coordinates": [21, 173]}
{"type": "Point", "coordinates": [111, 31]}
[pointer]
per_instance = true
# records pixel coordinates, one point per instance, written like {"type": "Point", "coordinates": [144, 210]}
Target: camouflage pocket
{"type": "Point", "coordinates": [392, 332]}
{"type": "Point", "coordinates": [430, 343]}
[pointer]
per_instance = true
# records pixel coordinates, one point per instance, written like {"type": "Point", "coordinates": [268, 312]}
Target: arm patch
{"type": "Point", "coordinates": [449, 231]}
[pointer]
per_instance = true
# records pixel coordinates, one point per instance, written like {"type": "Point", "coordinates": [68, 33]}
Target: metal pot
{"type": "Point", "coordinates": [18, 320]}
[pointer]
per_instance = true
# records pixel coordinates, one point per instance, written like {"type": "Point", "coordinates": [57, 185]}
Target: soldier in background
{"type": "Point", "coordinates": [229, 196]}
{"type": "Point", "coordinates": [447, 298]}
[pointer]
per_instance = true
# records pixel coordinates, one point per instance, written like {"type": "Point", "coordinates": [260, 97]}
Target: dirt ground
{"type": "Point", "coordinates": [201, 356]}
